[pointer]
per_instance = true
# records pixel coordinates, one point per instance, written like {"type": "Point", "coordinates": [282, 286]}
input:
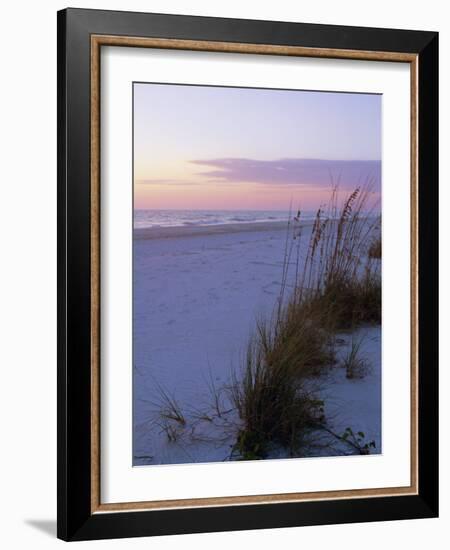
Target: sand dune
{"type": "Point", "coordinates": [197, 294]}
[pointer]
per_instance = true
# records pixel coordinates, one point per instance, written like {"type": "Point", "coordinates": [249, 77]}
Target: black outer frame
{"type": "Point", "coordinates": [75, 521]}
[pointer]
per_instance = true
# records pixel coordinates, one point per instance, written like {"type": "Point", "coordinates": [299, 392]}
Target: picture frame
{"type": "Point", "coordinates": [81, 36]}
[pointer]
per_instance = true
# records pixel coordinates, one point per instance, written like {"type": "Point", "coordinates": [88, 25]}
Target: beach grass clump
{"type": "Point", "coordinates": [171, 418]}
{"type": "Point", "coordinates": [354, 362]}
{"type": "Point", "coordinates": [352, 301]}
{"type": "Point", "coordinates": [338, 273]}
{"type": "Point", "coordinates": [328, 285]}
{"type": "Point", "coordinates": [271, 397]}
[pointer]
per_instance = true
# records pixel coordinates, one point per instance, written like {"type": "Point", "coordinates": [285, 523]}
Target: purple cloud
{"type": "Point", "coordinates": [293, 171]}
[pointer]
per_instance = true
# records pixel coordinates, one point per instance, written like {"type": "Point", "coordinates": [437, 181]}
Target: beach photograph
{"type": "Point", "coordinates": [257, 274]}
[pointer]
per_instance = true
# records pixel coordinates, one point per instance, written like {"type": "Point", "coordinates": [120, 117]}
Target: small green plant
{"type": "Point", "coordinates": [250, 446]}
{"type": "Point", "coordinates": [357, 441]}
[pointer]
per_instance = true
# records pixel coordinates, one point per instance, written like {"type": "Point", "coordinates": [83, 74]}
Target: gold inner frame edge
{"type": "Point", "coordinates": [262, 49]}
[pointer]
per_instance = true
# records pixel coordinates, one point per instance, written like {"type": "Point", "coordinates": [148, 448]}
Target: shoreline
{"type": "Point", "coordinates": [151, 233]}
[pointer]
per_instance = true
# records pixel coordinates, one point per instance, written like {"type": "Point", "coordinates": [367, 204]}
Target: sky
{"type": "Point", "coordinates": [206, 147]}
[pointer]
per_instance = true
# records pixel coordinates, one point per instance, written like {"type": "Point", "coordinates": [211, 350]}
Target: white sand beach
{"type": "Point", "coordinates": [197, 294]}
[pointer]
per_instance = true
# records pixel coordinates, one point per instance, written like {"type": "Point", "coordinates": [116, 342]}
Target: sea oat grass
{"type": "Point", "coordinates": [337, 287]}
{"type": "Point", "coordinates": [270, 394]}
{"type": "Point", "coordinates": [354, 362]}
{"type": "Point", "coordinates": [351, 302]}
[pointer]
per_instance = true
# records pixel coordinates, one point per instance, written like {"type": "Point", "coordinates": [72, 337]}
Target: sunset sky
{"type": "Point", "coordinates": [198, 147]}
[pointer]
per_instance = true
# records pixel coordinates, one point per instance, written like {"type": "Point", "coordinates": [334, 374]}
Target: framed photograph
{"type": "Point", "coordinates": [247, 254]}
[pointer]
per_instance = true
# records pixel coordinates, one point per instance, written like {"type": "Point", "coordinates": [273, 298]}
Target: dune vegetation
{"type": "Point", "coordinates": [336, 287]}
{"type": "Point", "coordinates": [330, 285]}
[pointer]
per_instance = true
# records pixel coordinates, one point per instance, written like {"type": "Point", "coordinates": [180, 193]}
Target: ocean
{"type": "Point", "coordinates": [181, 218]}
